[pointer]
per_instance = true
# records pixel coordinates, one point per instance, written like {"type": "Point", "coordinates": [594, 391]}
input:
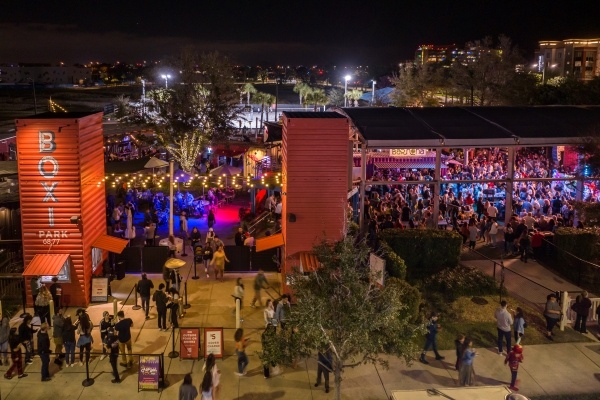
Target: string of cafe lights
{"type": "Point", "coordinates": [55, 107]}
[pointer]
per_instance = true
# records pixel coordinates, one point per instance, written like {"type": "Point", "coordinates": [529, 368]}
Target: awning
{"type": "Point", "coordinates": [404, 164]}
{"type": "Point", "coordinates": [308, 262]}
{"type": "Point", "coordinates": [110, 243]}
{"type": "Point", "coordinates": [46, 265]}
{"type": "Point", "coordinates": [269, 242]}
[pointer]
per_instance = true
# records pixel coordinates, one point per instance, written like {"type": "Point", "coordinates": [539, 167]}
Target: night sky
{"type": "Point", "coordinates": [287, 32]}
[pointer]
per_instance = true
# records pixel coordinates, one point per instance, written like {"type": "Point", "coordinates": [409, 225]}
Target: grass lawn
{"type": "Point", "coordinates": [474, 317]}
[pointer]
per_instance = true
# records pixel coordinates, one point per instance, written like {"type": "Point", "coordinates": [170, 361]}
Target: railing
{"type": "Point", "coordinates": [252, 227]}
{"type": "Point", "coordinates": [592, 316]}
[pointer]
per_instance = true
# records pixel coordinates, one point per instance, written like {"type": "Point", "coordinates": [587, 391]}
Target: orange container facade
{"type": "Point", "coordinates": [315, 177]}
{"type": "Point", "coordinates": [61, 172]}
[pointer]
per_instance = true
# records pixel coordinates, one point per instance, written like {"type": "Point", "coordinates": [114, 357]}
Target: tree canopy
{"type": "Point", "coordinates": [340, 306]}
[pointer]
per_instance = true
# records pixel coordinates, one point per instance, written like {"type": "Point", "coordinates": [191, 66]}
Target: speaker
{"type": "Point", "coordinates": [291, 217]}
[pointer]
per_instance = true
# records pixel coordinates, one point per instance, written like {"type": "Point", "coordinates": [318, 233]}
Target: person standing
{"type": "Point", "coordinates": [239, 237]}
{"type": "Point", "coordinates": [42, 302]}
{"type": "Point", "coordinates": [466, 363]}
{"type": "Point", "coordinates": [174, 307]}
{"type": "Point", "coordinates": [260, 282]}
{"type": "Point", "coordinates": [84, 342]}
{"type": "Point", "coordinates": [56, 293]}
{"type": "Point", "coordinates": [519, 326]}
{"type": "Point", "coordinates": [552, 313]}
{"type": "Point", "coordinates": [112, 346]}
{"type": "Point", "coordinates": [187, 391]}
{"type": "Point", "coordinates": [161, 300]}
{"type": "Point", "coordinates": [324, 366]}
{"type": "Point", "coordinates": [150, 233]}
{"type": "Point", "coordinates": [211, 365]}
{"type": "Point", "coordinates": [269, 313]}
{"type": "Point", "coordinates": [207, 255]}
{"type": "Point", "coordinates": [431, 338]}
{"type": "Point", "coordinates": [35, 285]}
{"type": "Point", "coordinates": [211, 220]}
{"type": "Point", "coordinates": [458, 343]}
{"type": "Point", "coordinates": [513, 359]}
{"type": "Point", "coordinates": [473, 231]}
{"type": "Point", "coordinates": [524, 244]}
{"type": "Point", "coordinates": [43, 344]}
{"type": "Point", "coordinates": [26, 332]}
{"type": "Point", "coordinates": [282, 311]}
{"type": "Point", "coordinates": [218, 262]}
{"type": "Point", "coordinates": [4, 335]}
{"type": "Point", "coordinates": [123, 328]}
{"type": "Point", "coordinates": [183, 226]}
{"type": "Point", "coordinates": [238, 293]}
{"type": "Point", "coordinates": [583, 311]}
{"type": "Point", "coordinates": [504, 322]}
{"type": "Point", "coordinates": [106, 324]}
{"type": "Point", "coordinates": [144, 287]}
{"type": "Point", "coordinates": [58, 323]}
{"type": "Point", "coordinates": [240, 349]}
{"type": "Point", "coordinates": [14, 341]}
{"type": "Point", "coordinates": [196, 237]}
{"type": "Point", "coordinates": [69, 342]}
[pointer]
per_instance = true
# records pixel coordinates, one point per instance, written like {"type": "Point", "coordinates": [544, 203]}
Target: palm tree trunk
{"type": "Point", "coordinates": [247, 99]}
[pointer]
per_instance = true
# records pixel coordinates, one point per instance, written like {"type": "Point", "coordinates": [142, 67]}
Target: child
{"type": "Point", "coordinates": [513, 359]}
{"type": "Point", "coordinates": [458, 343]}
{"type": "Point", "coordinates": [519, 325]}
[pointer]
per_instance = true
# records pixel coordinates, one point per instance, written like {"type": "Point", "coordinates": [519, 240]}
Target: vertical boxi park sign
{"type": "Point", "coordinates": [60, 160]}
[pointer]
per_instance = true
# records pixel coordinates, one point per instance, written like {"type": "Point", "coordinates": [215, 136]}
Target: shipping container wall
{"type": "Point", "coordinates": [314, 180]}
{"type": "Point", "coordinates": [60, 165]}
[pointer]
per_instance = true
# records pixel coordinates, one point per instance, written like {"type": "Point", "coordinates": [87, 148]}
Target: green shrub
{"type": "Point", "coordinates": [452, 283]}
{"type": "Point", "coordinates": [394, 264]}
{"type": "Point", "coordinates": [424, 251]}
{"type": "Point", "coordinates": [411, 296]}
{"type": "Point", "coordinates": [581, 244]}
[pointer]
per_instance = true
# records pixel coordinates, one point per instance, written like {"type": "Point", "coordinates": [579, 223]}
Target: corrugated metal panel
{"type": "Point", "coordinates": [269, 242]}
{"type": "Point", "coordinates": [110, 243]}
{"type": "Point", "coordinates": [46, 265]}
{"type": "Point", "coordinates": [315, 156]}
{"type": "Point", "coordinates": [60, 162]}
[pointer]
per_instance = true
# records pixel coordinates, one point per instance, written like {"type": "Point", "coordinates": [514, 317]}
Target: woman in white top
{"type": "Point", "coordinates": [210, 365]}
{"type": "Point", "coordinates": [269, 312]}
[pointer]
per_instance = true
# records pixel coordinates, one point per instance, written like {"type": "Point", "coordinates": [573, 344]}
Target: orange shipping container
{"type": "Point", "coordinates": [60, 160]}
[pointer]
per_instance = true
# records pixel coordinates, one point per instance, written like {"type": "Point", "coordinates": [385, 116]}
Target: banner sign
{"type": "Point", "coordinates": [213, 342]}
{"type": "Point", "coordinates": [149, 373]}
{"type": "Point", "coordinates": [189, 343]}
{"type": "Point", "coordinates": [409, 152]}
{"type": "Point", "coordinates": [99, 290]}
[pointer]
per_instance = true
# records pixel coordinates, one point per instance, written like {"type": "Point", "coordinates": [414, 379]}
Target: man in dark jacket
{"type": "Point", "coordinates": [160, 299]}
{"type": "Point", "coordinates": [324, 367]}
{"type": "Point", "coordinates": [583, 311]}
{"type": "Point", "coordinates": [431, 339]}
{"type": "Point", "coordinates": [239, 237]}
{"type": "Point", "coordinates": [58, 322]}
{"type": "Point", "coordinates": [112, 345]}
{"type": "Point", "coordinates": [143, 287]}
{"type": "Point", "coordinates": [43, 344]}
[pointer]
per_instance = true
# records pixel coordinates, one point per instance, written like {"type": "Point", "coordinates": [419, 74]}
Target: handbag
{"type": "Point", "coordinates": [84, 340]}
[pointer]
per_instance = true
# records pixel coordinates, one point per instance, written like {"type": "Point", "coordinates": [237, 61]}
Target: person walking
{"type": "Point", "coordinates": [260, 282]}
{"type": "Point", "coordinates": [218, 262]}
{"type": "Point", "coordinates": [112, 346]}
{"type": "Point", "coordinates": [504, 322]}
{"type": "Point", "coordinates": [513, 359]}
{"type": "Point", "coordinates": [144, 287]}
{"type": "Point", "coordinates": [211, 220]}
{"type": "Point", "coordinates": [583, 311]}
{"type": "Point", "coordinates": [16, 356]}
{"type": "Point", "coordinates": [187, 391]}
{"type": "Point", "coordinates": [324, 366]}
{"type": "Point", "coordinates": [552, 313]}
{"type": "Point", "coordinates": [240, 350]}
{"type": "Point", "coordinates": [465, 373]}
{"type": "Point", "coordinates": [207, 255]}
{"type": "Point", "coordinates": [431, 338]}
{"type": "Point", "coordinates": [123, 328]}
{"type": "Point", "coordinates": [206, 387]}
{"type": "Point", "coordinates": [211, 365]}
{"type": "Point", "coordinates": [69, 342]}
{"type": "Point", "coordinates": [43, 345]}
{"type": "Point", "coordinates": [58, 323]}
{"type": "Point", "coordinates": [161, 300]}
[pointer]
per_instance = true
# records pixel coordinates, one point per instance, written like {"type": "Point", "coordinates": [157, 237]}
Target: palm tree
{"type": "Point", "coordinates": [302, 89]}
{"type": "Point", "coordinates": [354, 95]}
{"type": "Point", "coordinates": [316, 97]}
{"type": "Point", "coordinates": [262, 99]}
{"type": "Point", "coordinates": [248, 89]}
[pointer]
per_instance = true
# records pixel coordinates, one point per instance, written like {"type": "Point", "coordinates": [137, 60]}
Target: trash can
{"type": "Point", "coordinates": [120, 269]}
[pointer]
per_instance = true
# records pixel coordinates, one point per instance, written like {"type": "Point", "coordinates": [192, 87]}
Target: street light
{"type": "Point", "coordinates": [34, 96]}
{"type": "Point", "coordinates": [346, 79]}
{"type": "Point", "coordinates": [373, 94]}
{"type": "Point", "coordinates": [166, 78]}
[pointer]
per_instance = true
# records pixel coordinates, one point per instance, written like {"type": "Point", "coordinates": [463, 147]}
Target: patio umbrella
{"type": "Point", "coordinates": [156, 163]}
{"type": "Point", "coordinates": [226, 170]}
{"type": "Point", "coordinates": [174, 263]}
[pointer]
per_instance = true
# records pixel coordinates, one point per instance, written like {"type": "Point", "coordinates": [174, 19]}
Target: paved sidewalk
{"type": "Point", "coordinates": [556, 368]}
